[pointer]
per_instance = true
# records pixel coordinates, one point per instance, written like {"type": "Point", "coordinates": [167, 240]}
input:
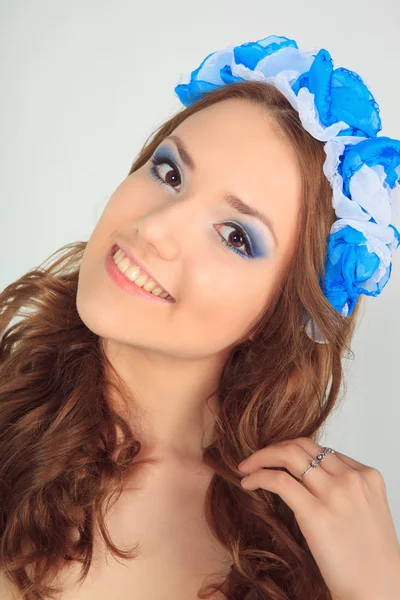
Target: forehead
{"type": "Point", "coordinates": [237, 148]}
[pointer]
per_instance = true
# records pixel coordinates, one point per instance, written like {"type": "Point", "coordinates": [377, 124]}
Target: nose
{"type": "Point", "coordinates": [164, 228]}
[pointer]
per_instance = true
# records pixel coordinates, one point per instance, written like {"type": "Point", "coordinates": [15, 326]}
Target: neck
{"type": "Point", "coordinates": [174, 400]}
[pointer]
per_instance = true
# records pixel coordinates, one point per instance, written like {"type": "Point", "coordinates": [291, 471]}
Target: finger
{"type": "Point", "coordinates": [295, 459]}
{"type": "Point", "coordinates": [331, 463]}
{"type": "Point", "coordinates": [293, 493]}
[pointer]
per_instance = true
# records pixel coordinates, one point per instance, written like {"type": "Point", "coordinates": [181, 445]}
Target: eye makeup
{"type": "Point", "coordinates": [254, 241]}
{"type": "Point", "coordinates": [161, 156]}
{"type": "Point", "coordinates": [258, 245]}
{"type": "Point", "coordinates": [254, 249]}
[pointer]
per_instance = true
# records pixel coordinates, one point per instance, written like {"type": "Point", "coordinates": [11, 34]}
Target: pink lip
{"type": "Point", "coordinates": [123, 282]}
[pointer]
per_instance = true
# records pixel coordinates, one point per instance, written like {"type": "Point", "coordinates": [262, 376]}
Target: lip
{"type": "Point", "coordinates": [125, 284]}
{"type": "Point", "coordinates": [140, 264]}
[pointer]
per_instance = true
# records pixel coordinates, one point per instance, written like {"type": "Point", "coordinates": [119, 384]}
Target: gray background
{"type": "Point", "coordinates": [84, 82]}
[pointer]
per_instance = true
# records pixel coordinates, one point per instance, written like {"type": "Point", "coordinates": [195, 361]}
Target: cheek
{"type": "Point", "coordinates": [220, 300]}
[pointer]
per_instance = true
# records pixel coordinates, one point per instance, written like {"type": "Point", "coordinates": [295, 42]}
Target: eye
{"type": "Point", "coordinates": [238, 239]}
{"type": "Point", "coordinates": [165, 171]}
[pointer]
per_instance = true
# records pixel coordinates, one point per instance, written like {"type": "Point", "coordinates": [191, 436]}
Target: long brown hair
{"type": "Point", "coordinates": [66, 452]}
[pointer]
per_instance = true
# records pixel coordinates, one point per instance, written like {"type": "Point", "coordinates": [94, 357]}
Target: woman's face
{"type": "Point", "coordinates": [221, 266]}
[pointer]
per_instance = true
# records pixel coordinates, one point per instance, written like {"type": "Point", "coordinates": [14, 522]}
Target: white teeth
{"type": "Point", "coordinates": [150, 285]}
{"type": "Point", "coordinates": [157, 291]}
{"type": "Point", "coordinates": [134, 274]}
{"type": "Point", "coordinates": [123, 264]}
{"type": "Point", "coordinates": [118, 256]}
{"type": "Point", "coordinates": [141, 280]}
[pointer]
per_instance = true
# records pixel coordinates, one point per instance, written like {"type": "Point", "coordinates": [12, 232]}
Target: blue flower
{"type": "Point", "coordinates": [348, 265]}
{"type": "Point", "coordinates": [340, 95]}
{"type": "Point", "coordinates": [248, 54]}
{"type": "Point", "coordinates": [381, 150]}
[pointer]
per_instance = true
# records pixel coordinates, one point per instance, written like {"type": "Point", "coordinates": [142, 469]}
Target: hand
{"type": "Point", "coordinates": [342, 510]}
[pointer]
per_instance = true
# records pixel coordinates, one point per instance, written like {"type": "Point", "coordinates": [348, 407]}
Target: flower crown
{"type": "Point", "coordinates": [336, 107]}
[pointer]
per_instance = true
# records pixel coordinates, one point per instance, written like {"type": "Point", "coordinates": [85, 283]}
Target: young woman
{"type": "Point", "coordinates": [192, 331]}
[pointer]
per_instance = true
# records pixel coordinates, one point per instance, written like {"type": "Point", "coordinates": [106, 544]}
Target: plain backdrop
{"type": "Point", "coordinates": [83, 84]}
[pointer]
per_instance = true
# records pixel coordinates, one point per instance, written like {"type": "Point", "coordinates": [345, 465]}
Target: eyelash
{"type": "Point", "coordinates": [159, 160]}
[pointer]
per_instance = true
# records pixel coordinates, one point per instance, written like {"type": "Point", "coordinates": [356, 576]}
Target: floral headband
{"type": "Point", "coordinates": [336, 107]}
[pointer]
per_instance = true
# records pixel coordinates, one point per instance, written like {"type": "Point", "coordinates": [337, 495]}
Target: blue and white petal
{"type": "Point", "coordinates": [334, 149]}
{"type": "Point", "coordinates": [286, 59]}
{"type": "Point", "coordinates": [310, 118]}
{"type": "Point", "coordinates": [367, 189]}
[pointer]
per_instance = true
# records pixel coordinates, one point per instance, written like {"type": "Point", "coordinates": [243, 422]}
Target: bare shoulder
{"type": "Point", "coordinates": [6, 593]}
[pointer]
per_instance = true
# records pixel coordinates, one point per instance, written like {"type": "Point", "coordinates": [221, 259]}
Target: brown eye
{"type": "Point", "coordinates": [235, 240]}
{"type": "Point", "coordinates": [165, 172]}
{"type": "Point", "coordinates": [168, 174]}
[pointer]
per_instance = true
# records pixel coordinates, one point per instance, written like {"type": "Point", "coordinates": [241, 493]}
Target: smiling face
{"type": "Point", "coordinates": [178, 216]}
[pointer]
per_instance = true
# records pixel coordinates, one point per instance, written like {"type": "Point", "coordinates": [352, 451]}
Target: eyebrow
{"type": "Point", "coordinates": [230, 199]}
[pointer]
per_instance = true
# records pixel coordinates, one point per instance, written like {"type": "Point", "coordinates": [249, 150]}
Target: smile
{"type": "Point", "coordinates": [137, 276]}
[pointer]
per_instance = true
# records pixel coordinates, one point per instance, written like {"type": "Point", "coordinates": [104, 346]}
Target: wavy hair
{"type": "Point", "coordinates": [66, 452]}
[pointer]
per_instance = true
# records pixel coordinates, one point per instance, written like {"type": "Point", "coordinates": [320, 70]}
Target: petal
{"type": "Point", "coordinates": [351, 101]}
{"type": "Point", "coordinates": [250, 53]}
{"type": "Point", "coordinates": [377, 151]}
{"type": "Point", "coordinates": [319, 83]}
{"type": "Point", "coordinates": [344, 207]}
{"type": "Point", "coordinates": [286, 59]}
{"type": "Point", "coordinates": [310, 119]}
{"type": "Point", "coordinates": [334, 148]}
{"type": "Point", "coordinates": [367, 190]}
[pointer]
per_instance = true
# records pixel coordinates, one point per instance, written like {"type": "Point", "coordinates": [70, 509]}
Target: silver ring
{"type": "Point", "coordinates": [314, 463]}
